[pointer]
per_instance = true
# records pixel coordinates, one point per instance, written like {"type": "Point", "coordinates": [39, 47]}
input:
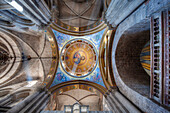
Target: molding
{"type": "Point", "coordinates": [92, 84]}
{"type": "Point", "coordinates": [55, 59]}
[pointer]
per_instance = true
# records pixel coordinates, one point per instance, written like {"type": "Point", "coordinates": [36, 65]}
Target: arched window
{"type": "Point", "coordinates": [76, 108]}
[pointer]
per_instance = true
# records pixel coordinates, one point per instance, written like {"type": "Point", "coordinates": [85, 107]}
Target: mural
{"type": "Point", "coordinates": [61, 75]}
{"type": "Point", "coordinates": [78, 57]}
{"type": "Point", "coordinates": [145, 57]}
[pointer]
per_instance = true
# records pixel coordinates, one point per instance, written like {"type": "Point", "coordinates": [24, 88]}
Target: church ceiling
{"type": "Point", "coordinates": [79, 13]}
{"type": "Point", "coordinates": [81, 54]}
{"type": "Point", "coordinates": [78, 57]}
{"type": "Point", "coordinates": [77, 17]}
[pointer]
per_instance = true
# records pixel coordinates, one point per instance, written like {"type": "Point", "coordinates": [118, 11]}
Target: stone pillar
{"type": "Point", "coordinates": [118, 10]}
{"type": "Point", "coordinates": [6, 100]}
{"type": "Point", "coordinates": [33, 103]}
{"type": "Point", "coordinates": [118, 103]}
{"type": "Point", "coordinates": [37, 12]}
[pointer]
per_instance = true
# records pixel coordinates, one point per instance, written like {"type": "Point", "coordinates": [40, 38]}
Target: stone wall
{"type": "Point", "coordinates": [139, 18]}
{"type": "Point", "coordinates": [128, 61]}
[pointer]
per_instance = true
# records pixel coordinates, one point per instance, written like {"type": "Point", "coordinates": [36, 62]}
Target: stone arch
{"type": "Point", "coordinates": [88, 83]}
{"type": "Point", "coordinates": [137, 22]}
{"type": "Point", "coordinates": [72, 90]}
{"type": "Point", "coordinates": [128, 62]}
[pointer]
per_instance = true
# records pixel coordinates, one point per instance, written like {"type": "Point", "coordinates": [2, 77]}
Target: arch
{"type": "Point", "coordinates": [136, 22]}
{"type": "Point", "coordinates": [128, 61]}
{"type": "Point", "coordinates": [69, 96]}
{"type": "Point", "coordinates": [75, 92]}
{"type": "Point", "coordinates": [14, 50]}
{"type": "Point", "coordinates": [55, 59]}
{"type": "Point", "coordinates": [88, 83]}
{"type": "Point", "coordinates": [105, 58]}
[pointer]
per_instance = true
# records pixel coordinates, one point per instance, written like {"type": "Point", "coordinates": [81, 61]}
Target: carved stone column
{"type": "Point", "coordinates": [118, 103]}
{"type": "Point", "coordinates": [118, 10]}
{"type": "Point", "coordinates": [33, 103]}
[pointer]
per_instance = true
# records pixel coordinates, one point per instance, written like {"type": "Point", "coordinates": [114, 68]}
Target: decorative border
{"type": "Point", "coordinates": [77, 86]}
{"type": "Point", "coordinates": [55, 58]}
{"type": "Point", "coordinates": [80, 82]}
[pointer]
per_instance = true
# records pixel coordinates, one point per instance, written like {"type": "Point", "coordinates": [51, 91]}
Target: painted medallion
{"type": "Point", "coordinates": [78, 58]}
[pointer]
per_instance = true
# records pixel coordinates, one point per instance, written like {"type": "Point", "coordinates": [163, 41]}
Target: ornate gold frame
{"type": "Point", "coordinates": [106, 77]}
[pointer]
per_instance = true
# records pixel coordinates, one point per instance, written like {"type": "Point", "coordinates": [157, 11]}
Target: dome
{"type": "Point", "coordinates": [78, 57]}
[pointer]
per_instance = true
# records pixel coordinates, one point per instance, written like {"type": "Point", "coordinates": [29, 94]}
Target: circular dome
{"type": "Point", "coordinates": [78, 57]}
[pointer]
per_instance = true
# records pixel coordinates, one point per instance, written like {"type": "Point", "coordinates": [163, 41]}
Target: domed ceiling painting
{"type": "Point", "coordinates": [78, 58]}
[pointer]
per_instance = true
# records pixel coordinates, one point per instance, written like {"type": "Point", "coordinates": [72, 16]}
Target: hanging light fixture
{"type": "Point", "coordinates": [14, 4]}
